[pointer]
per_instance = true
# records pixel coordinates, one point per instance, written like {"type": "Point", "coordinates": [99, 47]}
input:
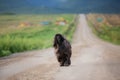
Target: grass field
{"type": "Point", "coordinates": [106, 26]}
{"type": "Point", "coordinates": [15, 36]}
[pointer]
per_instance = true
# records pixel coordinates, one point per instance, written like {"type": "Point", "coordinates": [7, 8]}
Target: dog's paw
{"type": "Point", "coordinates": [66, 64]}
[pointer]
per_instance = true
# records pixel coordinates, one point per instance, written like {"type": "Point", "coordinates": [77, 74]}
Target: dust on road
{"type": "Point", "coordinates": [92, 59]}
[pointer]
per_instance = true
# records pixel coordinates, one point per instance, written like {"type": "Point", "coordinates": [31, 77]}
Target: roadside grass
{"type": "Point", "coordinates": [110, 34]}
{"type": "Point", "coordinates": [107, 33]}
{"type": "Point", "coordinates": [13, 39]}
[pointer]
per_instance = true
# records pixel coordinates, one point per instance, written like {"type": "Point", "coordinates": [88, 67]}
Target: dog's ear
{"type": "Point", "coordinates": [55, 42]}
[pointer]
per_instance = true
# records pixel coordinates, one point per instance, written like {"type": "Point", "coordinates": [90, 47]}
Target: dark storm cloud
{"type": "Point", "coordinates": [72, 6]}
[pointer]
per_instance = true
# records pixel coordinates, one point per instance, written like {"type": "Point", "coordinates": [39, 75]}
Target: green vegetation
{"type": "Point", "coordinates": [108, 28]}
{"type": "Point", "coordinates": [107, 33]}
{"type": "Point", "coordinates": [17, 39]}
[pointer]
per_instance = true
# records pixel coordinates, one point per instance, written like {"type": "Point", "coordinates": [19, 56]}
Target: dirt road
{"type": "Point", "coordinates": [92, 59]}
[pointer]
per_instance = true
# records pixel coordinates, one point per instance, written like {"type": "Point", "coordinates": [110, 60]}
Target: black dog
{"type": "Point", "coordinates": [62, 50]}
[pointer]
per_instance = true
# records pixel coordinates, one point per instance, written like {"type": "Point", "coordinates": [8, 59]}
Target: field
{"type": "Point", "coordinates": [30, 32]}
{"type": "Point", "coordinates": [106, 26]}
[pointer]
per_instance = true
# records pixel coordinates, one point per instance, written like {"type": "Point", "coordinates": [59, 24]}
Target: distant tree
{"type": "Point", "coordinates": [7, 13]}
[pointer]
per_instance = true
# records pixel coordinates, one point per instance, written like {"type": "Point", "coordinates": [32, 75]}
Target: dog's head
{"type": "Point", "coordinates": [58, 39]}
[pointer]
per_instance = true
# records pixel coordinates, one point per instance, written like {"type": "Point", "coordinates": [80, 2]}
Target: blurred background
{"type": "Point", "coordinates": [31, 24]}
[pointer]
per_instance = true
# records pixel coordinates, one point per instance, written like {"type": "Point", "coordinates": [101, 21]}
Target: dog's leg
{"type": "Point", "coordinates": [68, 61]}
{"type": "Point", "coordinates": [61, 63]}
{"type": "Point", "coordinates": [63, 60]}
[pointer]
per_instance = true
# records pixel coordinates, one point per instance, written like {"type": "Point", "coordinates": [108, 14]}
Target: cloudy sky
{"type": "Point", "coordinates": [78, 5]}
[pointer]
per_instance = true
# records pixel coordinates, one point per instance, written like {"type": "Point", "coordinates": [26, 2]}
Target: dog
{"type": "Point", "coordinates": [62, 50]}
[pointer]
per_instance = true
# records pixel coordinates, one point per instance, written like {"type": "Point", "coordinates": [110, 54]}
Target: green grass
{"type": "Point", "coordinates": [14, 39]}
{"type": "Point", "coordinates": [107, 33]}
{"type": "Point", "coordinates": [111, 34]}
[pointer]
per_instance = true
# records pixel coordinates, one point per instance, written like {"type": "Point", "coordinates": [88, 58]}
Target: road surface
{"type": "Point", "coordinates": [92, 59]}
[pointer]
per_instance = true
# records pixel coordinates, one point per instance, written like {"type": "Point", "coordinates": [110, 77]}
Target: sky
{"type": "Point", "coordinates": [60, 5]}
